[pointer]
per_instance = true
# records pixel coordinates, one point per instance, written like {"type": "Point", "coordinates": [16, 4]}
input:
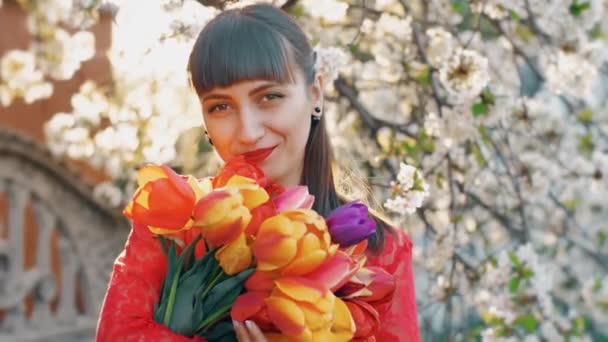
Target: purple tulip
{"type": "Point", "coordinates": [350, 224]}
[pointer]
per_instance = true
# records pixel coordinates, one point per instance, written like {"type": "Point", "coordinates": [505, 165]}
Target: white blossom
{"type": "Point", "coordinates": [21, 78]}
{"type": "Point", "coordinates": [410, 191]}
{"type": "Point", "coordinates": [108, 193]}
{"type": "Point", "coordinates": [331, 10]}
{"type": "Point", "coordinates": [464, 74]}
{"type": "Point", "coordinates": [329, 61]}
{"type": "Point", "coordinates": [62, 55]}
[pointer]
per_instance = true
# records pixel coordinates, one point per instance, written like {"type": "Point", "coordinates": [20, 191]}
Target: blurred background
{"type": "Point", "coordinates": [480, 127]}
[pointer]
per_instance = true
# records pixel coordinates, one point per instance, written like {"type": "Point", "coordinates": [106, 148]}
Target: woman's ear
{"type": "Point", "coordinates": [317, 93]}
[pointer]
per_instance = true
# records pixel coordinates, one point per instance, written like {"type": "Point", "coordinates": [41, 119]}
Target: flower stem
{"type": "Point", "coordinates": [172, 294]}
{"type": "Point", "coordinates": [209, 321]}
{"type": "Point", "coordinates": [212, 283]}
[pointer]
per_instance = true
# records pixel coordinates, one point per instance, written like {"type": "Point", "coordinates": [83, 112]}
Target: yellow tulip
{"type": "Point", "coordinates": [234, 256]}
{"type": "Point", "coordinates": [294, 242]}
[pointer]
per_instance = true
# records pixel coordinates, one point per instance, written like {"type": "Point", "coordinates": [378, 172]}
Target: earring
{"type": "Point", "coordinates": [208, 139]}
{"type": "Point", "coordinates": [316, 118]}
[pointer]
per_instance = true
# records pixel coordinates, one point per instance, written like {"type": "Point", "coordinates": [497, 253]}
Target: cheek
{"type": "Point", "coordinates": [221, 132]}
{"type": "Point", "coordinates": [295, 131]}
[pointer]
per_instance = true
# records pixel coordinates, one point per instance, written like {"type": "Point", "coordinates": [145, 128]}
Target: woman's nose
{"type": "Point", "coordinates": [252, 128]}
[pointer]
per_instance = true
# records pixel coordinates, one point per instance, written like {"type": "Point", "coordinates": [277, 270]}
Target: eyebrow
{"type": "Point", "coordinates": [251, 92]}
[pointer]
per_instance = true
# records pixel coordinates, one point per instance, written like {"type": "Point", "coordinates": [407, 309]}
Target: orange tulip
{"type": "Point", "coordinates": [258, 215]}
{"type": "Point", "coordinates": [253, 194]}
{"type": "Point", "coordinates": [234, 256]}
{"type": "Point", "coordinates": [239, 166]}
{"type": "Point", "coordinates": [164, 200]}
{"type": "Point", "coordinates": [294, 242]}
{"type": "Point", "coordinates": [304, 310]}
{"type": "Point", "coordinates": [261, 281]}
{"type": "Point", "coordinates": [221, 216]}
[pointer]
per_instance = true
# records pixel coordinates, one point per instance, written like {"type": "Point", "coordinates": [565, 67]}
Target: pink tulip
{"type": "Point", "coordinates": [296, 197]}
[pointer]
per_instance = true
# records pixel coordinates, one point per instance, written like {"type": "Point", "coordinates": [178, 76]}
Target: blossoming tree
{"type": "Point", "coordinates": [484, 125]}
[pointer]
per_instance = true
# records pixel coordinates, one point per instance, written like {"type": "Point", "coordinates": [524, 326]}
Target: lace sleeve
{"type": "Point", "coordinates": [398, 318]}
{"type": "Point", "coordinates": [127, 310]}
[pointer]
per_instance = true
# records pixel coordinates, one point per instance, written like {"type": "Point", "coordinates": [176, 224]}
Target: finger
{"type": "Point", "coordinates": [241, 332]}
{"type": "Point", "coordinates": [254, 331]}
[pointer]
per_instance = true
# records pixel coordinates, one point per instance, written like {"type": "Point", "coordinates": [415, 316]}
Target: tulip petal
{"type": "Point", "coordinates": [235, 256]}
{"type": "Point", "coordinates": [335, 272]}
{"type": "Point", "coordinates": [216, 235]}
{"type": "Point", "coordinates": [259, 215]}
{"type": "Point", "coordinates": [286, 315]}
{"type": "Point", "coordinates": [150, 173]}
{"type": "Point", "coordinates": [213, 207]}
{"type": "Point", "coordinates": [365, 316]}
{"type": "Point", "coordinates": [294, 198]}
{"type": "Point", "coordinates": [305, 263]}
{"type": "Point", "coordinates": [253, 194]}
{"type": "Point", "coordinates": [247, 305]}
{"type": "Point", "coordinates": [274, 251]}
{"type": "Point", "coordinates": [261, 281]}
{"type": "Point", "coordinates": [301, 289]}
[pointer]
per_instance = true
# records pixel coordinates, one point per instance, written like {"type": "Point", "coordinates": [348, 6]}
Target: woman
{"type": "Point", "coordinates": [253, 70]}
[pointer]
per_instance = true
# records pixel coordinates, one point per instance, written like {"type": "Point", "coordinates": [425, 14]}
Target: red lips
{"type": "Point", "coordinates": [258, 155]}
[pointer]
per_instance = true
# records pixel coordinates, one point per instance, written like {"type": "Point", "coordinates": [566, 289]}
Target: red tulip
{"type": "Point", "coordinates": [164, 200]}
{"type": "Point", "coordinates": [370, 284]}
{"type": "Point", "coordinates": [367, 319]}
{"type": "Point", "coordinates": [336, 271]}
{"type": "Point", "coordinates": [239, 166]}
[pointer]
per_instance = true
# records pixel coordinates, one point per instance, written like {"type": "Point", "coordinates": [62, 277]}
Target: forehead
{"type": "Point", "coordinates": [254, 85]}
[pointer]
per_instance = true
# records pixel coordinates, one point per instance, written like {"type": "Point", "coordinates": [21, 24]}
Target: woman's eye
{"type": "Point", "coordinates": [219, 107]}
{"type": "Point", "coordinates": [272, 96]}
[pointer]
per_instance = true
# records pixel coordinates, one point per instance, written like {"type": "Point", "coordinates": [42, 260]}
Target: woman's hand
{"type": "Point", "coordinates": [248, 332]}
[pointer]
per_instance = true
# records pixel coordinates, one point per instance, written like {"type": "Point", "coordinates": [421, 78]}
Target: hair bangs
{"type": "Point", "coordinates": [238, 49]}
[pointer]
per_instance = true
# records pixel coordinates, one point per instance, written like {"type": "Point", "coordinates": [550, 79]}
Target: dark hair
{"type": "Point", "coordinates": [263, 42]}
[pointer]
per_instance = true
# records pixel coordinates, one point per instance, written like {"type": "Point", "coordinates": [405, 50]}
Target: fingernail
{"type": "Point", "coordinates": [249, 325]}
{"type": "Point", "coordinates": [236, 324]}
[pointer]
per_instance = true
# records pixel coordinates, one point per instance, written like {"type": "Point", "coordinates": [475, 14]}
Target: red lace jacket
{"type": "Point", "coordinates": [127, 310]}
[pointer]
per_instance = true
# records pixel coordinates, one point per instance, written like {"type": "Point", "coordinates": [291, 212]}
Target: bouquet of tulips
{"type": "Point", "coordinates": [258, 252]}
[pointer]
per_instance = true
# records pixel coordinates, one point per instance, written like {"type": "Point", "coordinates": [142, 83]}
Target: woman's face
{"type": "Point", "coordinates": [267, 121]}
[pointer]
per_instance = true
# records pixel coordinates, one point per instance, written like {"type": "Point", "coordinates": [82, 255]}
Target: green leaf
{"type": "Point", "coordinates": [514, 259]}
{"type": "Point", "coordinates": [480, 109]}
{"type": "Point", "coordinates": [222, 331]}
{"type": "Point", "coordinates": [487, 97]}
{"type": "Point", "coordinates": [181, 319]}
{"type": "Point", "coordinates": [359, 54]}
{"type": "Point", "coordinates": [572, 204]}
{"type": "Point", "coordinates": [514, 284]}
{"type": "Point", "coordinates": [515, 16]}
{"type": "Point", "coordinates": [527, 322]}
{"type": "Point", "coordinates": [585, 116]}
{"type": "Point", "coordinates": [585, 143]}
{"type": "Point", "coordinates": [163, 301]}
{"type": "Point", "coordinates": [485, 137]}
{"type": "Point", "coordinates": [460, 7]}
{"type": "Point", "coordinates": [577, 8]}
{"type": "Point", "coordinates": [601, 238]}
{"type": "Point", "coordinates": [422, 75]}
{"type": "Point", "coordinates": [527, 273]}
{"type": "Point", "coordinates": [425, 142]}
{"type": "Point", "coordinates": [219, 293]}
{"type": "Point", "coordinates": [478, 155]}
{"type": "Point", "coordinates": [579, 325]}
